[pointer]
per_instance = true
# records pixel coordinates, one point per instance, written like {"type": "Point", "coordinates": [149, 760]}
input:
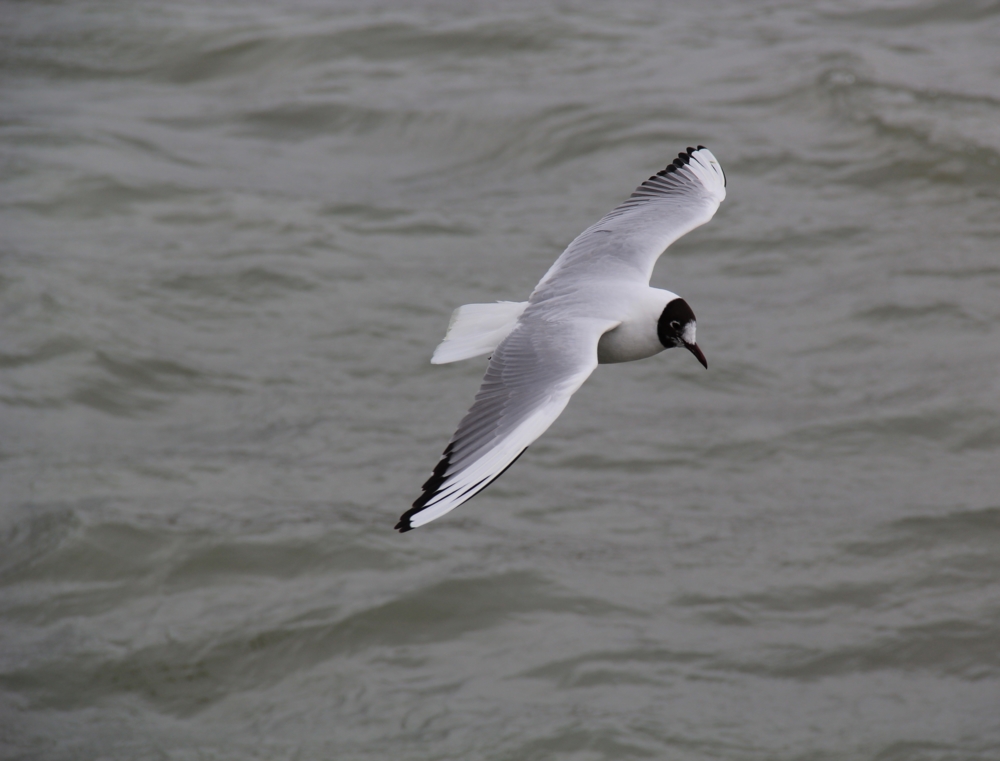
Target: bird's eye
{"type": "Point", "coordinates": [675, 325]}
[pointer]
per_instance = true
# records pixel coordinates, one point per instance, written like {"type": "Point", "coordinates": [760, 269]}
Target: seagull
{"type": "Point", "coordinates": [594, 306]}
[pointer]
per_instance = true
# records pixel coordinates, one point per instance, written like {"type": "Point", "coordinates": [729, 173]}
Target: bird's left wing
{"type": "Point", "coordinates": [531, 376]}
{"type": "Point", "coordinates": [630, 238]}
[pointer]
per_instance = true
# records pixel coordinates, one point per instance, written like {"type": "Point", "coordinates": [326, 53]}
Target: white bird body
{"type": "Point", "coordinates": [594, 305]}
{"type": "Point", "coordinates": [477, 329]}
{"type": "Point", "coordinates": [638, 310]}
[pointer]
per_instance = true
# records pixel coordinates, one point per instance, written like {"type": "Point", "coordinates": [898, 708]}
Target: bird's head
{"type": "Point", "coordinates": [677, 327]}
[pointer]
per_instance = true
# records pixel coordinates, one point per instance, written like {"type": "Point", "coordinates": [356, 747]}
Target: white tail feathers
{"type": "Point", "coordinates": [476, 329]}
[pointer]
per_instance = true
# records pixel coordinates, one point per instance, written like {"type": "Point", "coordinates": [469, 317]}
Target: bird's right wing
{"type": "Point", "coordinates": [630, 238]}
{"type": "Point", "coordinates": [531, 376]}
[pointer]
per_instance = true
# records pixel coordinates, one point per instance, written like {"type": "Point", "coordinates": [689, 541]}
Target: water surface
{"type": "Point", "coordinates": [232, 235]}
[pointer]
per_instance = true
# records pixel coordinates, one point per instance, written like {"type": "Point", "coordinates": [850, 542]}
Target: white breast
{"type": "Point", "coordinates": [628, 342]}
{"type": "Point", "coordinates": [636, 337]}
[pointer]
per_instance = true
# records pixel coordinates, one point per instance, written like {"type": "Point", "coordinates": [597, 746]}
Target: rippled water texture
{"type": "Point", "coordinates": [231, 237]}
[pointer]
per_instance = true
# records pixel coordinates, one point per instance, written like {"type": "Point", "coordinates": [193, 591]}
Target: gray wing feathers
{"type": "Point", "coordinates": [630, 238]}
{"type": "Point", "coordinates": [530, 379]}
{"type": "Point", "coordinates": [524, 372]}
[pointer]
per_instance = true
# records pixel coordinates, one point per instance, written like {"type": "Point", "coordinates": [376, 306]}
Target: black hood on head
{"type": "Point", "coordinates": [674, 319]}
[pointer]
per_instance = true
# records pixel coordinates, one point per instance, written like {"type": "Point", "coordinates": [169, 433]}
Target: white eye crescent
{"type": "Point", "coordinates": [675, 325]}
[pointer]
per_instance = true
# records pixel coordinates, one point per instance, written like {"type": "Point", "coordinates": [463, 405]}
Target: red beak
{"type": "Point", "coordinates": [694, 349]}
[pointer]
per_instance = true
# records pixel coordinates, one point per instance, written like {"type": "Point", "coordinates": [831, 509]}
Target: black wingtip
{"type": "Point", "coordinates": [682, 160]}
{"type": "Point", "coordinates": [690, 152]}
{"type": "Point", "coordinates": [434, 484]}
{"type": "Point", "coordinates": [430, 488]}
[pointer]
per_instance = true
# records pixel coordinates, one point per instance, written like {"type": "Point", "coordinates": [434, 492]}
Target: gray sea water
{"type": "Point", "coordinates": [231, 235]}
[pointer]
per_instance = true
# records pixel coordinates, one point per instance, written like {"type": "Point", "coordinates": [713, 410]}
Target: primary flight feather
{"type": "Point", "coordinates": [593, 306]}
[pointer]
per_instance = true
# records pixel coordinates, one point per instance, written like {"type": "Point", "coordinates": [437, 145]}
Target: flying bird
{"type": "Point", "coordinates": [593, 306]}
